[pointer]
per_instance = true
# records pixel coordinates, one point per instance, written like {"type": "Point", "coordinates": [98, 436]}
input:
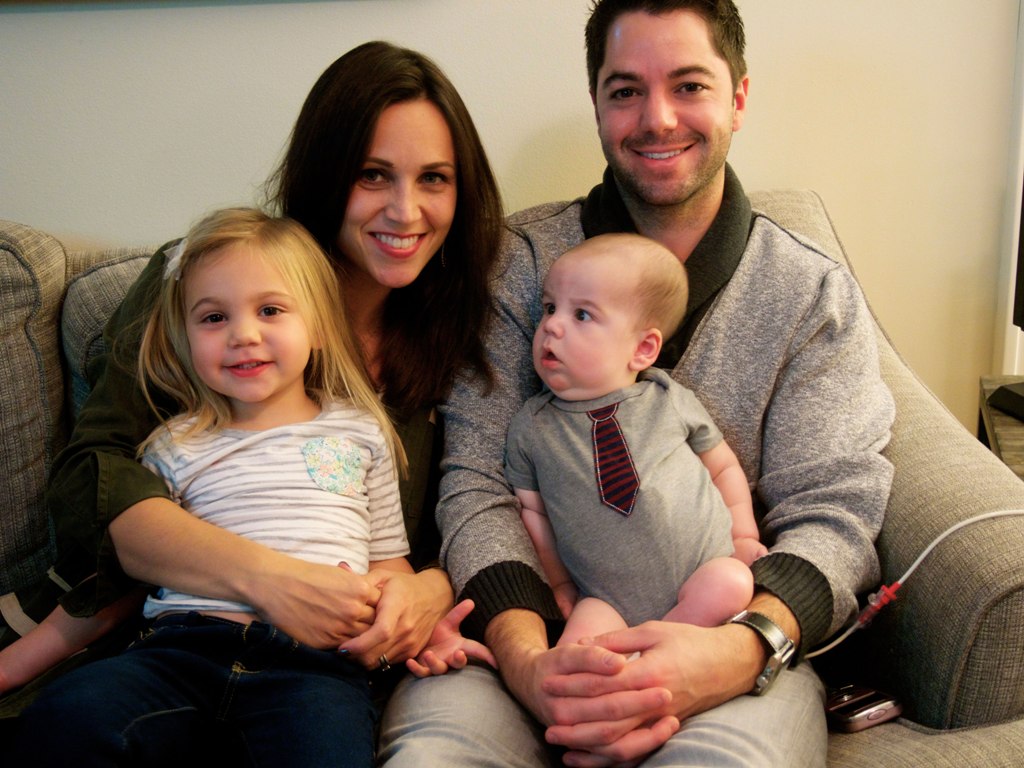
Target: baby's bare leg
{"type": "Point", "coordinates": [719, 589]}
{"type": "Point", "coordinates": [590, 617]}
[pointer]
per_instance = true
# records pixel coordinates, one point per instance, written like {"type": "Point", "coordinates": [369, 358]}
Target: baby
{"type": "Point", "coordinates": [637, 507]}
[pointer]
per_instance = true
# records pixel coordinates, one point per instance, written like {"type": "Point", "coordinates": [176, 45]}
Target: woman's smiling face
{"type": "Point", "coordinates": [403, 202]}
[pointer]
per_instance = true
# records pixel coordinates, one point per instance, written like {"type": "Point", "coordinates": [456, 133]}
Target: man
{"type": "Point", "coordinates": [778, 345]}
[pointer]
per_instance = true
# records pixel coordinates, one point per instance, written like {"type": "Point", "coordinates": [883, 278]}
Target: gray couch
{"type": "Point", "coordinates": [951, 647]}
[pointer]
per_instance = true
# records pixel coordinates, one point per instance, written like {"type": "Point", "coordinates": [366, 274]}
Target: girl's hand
{"type": "Point", "coordinates": [447, 648]}
{"type": "Point", "coordinates": [410, 606]}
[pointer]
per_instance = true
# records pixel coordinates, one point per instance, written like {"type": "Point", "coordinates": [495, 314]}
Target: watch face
{"type": "Point", "coordinates": [779, 647]}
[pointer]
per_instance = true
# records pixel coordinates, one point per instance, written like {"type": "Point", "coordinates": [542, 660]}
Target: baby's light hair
{"type": "Point", "coordinates": [661, 284]}
{"type": "Point", "coordinates": [336, 370]}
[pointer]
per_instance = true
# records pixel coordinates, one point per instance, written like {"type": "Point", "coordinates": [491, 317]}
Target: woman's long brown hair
{"type": "Point", "coordinates": [432, 328]}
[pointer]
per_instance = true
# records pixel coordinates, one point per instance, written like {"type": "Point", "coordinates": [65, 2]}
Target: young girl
{"type": "Point", "coordinates": [281, 439]}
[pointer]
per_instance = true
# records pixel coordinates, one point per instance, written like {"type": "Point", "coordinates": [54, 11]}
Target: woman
{"type": "Point", "coordinates": [386, 170]}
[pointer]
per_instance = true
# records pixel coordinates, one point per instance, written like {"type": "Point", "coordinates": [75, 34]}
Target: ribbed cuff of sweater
{"type": "Point", "coordinates": [502, 587]}
{"type": "Point", "coordinates": [803, 588]}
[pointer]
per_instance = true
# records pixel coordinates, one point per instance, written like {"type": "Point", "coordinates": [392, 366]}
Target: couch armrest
{"type": "Point", "coordinates": [952, 644]}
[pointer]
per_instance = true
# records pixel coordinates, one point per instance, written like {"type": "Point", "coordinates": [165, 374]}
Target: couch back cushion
{"type": "Point", "coordinates": [92, 296]}
{"type": "Point", "coordinates": [52, 298]}
{"type": "Point", "coordinates": [32, 277]}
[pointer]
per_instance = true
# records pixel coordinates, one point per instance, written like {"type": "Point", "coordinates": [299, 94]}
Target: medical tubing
{"type": "Point", "coordinates": [887, 593]}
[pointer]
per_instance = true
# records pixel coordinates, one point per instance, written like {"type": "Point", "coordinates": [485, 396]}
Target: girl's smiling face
{"type": "Point", "coordinates": [247, 337]}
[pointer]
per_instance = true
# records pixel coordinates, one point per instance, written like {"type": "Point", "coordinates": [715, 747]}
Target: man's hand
{"type": "Point", "coordinates": [527, 665]}
{"type": "Point", "coordinates": [699, 667]}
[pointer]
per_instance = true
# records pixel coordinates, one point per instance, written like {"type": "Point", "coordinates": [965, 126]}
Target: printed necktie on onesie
{"type": "Point", "coordinates": [617, 479]}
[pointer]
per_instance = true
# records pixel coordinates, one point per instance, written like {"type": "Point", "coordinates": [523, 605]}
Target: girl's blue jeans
{"type": "Point", "coordinates": [194, 688]}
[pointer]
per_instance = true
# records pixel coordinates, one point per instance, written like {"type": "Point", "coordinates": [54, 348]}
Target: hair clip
{"type": "Point", "coordinates": [172, 267]}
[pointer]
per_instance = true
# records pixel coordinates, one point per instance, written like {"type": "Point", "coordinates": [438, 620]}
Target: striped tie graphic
{"type": "Point", "coordinates": [616, 476]}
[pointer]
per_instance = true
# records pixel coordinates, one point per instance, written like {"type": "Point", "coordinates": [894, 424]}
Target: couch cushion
{"type": "Point", "coordinates": [92, 297]}
{"type": "Point", "coordinates": [32, 271]}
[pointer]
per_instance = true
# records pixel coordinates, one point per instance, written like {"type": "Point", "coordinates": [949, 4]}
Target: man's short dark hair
{"type": "Point", "coordinates": [722, 17]}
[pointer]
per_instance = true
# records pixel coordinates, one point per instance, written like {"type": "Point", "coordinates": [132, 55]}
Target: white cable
{"type": "Point", "coordinates": [858, 624]}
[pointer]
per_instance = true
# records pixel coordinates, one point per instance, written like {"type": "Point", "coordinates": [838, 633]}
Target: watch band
{"type": "Point", "coordinates": [780, 647]}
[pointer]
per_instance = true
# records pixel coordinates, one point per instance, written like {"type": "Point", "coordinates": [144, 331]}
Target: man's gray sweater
{"type": "Point", "coordinates": [781, 353]}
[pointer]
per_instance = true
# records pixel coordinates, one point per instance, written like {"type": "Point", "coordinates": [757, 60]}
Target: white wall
{"type": "Point", "coordinates": [120, 122]}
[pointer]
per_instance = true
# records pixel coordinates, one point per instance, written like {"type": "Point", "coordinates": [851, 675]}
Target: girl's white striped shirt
{"type": "Point", "coordinates": [324, 490]}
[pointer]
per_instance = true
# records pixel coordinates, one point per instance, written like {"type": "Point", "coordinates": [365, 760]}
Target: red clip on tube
{"type": "Point", "coordinates": [881, 598]}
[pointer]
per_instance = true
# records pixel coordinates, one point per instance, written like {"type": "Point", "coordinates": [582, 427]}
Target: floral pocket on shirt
{"type": "Point", "coordinates": [335, 464]}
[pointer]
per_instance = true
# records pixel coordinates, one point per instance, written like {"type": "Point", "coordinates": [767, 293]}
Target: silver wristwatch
{"type": "Point", "coordinates": [780, 647]}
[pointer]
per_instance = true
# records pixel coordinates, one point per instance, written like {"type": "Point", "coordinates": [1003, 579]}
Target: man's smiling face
{"type": "Point", "coordinates": [666, 107]}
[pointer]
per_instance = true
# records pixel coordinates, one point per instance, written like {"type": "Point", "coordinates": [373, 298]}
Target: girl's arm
{"type": "Point", "coordinates": [58, 637]}
{"type": "Point", "coordinates": [411, 604]}
{"type": "Point", "coordinates": [448, 649]}
{"type": "Point", "coordinates": [397, 564]}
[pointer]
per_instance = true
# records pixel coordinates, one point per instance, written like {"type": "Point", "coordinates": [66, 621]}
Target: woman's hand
{"type": "Point", "coordinates": [410, 606]}
{"type": "Point", "coordinates": [319, 605]}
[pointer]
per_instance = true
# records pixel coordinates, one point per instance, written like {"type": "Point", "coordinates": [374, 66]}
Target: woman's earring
{"type": "Point", "coordinates": [443, 265]}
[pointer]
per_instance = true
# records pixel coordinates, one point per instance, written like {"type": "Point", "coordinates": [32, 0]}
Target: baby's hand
{"type": "Point", "coordinates": [566, 596]}
{"type": "Point", "coordinates": [748, 550]}
{"type": "Point", "coordinates": [447, 648]}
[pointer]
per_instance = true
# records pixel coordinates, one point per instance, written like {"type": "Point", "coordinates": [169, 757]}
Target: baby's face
{"type": "Point", "coordinates": [589, 332]}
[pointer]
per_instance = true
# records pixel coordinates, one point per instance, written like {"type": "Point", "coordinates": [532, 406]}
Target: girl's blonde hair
{"type": "Point", "coordinates": [335, 371]}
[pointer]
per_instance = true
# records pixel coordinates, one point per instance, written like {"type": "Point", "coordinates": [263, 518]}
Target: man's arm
{"type": "Point", "coordinates": [824, 482]}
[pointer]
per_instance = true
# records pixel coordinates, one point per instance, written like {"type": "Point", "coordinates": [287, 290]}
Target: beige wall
{"type": "Point", "coordinates": [120, 122]}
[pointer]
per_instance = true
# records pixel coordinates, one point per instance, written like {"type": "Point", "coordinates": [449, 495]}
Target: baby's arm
{"type": "Point", "coordinates": [727, 475]}
{"type": "Point", "coordinates": [542, 535]}
{"type": "Point", "coordinates": [447, 648]}
{"type": "Point", "coordinates": [58, 637]}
